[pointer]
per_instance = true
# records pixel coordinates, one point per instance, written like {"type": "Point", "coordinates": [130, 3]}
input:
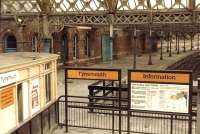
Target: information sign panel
{"type": "Point", "coordinates": [160, 91]}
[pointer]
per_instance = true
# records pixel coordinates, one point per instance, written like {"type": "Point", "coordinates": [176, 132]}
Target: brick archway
{"type": "Point", "coordinates": [10, 43]}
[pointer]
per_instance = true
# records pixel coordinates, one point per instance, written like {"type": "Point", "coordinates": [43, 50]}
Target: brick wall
{"type": "Point", "coordinates": [122, 44]}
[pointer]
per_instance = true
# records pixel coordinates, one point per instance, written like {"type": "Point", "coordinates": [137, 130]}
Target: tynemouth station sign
{"type": "Point", "coordinates": [93, 74]}
{"type": "Point", "coordinates": [164, 91]}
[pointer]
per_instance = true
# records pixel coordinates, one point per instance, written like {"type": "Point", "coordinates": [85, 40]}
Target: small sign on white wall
{"type": "Point", "coordinates": [8, 78]}
{"type": "Point", "coordinates": [35, 96]}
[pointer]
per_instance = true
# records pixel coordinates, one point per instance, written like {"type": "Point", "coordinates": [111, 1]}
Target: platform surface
{"type": "Point", "coordinates": [79, 87]}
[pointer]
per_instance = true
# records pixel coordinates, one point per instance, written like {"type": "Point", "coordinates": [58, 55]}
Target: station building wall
{"type": "Point", "coordinates": [24, 91]}
{"type": "Point", "coordinates": [27, 40]}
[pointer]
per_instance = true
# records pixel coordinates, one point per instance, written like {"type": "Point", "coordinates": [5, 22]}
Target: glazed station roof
{"type": "Point", "coordinates": [140, 13]}
{"type": "Point", "coordinates": [60, 6]}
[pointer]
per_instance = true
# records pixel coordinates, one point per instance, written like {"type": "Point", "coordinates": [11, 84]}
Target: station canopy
{"type": "Point", "coordinates": [66, 6]}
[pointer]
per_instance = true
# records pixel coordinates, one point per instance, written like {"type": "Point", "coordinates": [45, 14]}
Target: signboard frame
{"type": "Point", "coordinates": [156, 82]}
{"type": "Point", "coordinates": [66, 71]}
{"type": "Point", "coordinates": [8, 78]}
{"type": "Point", "coordinates": [93, 69]}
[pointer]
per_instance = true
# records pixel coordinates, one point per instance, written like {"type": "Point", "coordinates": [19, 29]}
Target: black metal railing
{"type": "Point", "coordinates": [106, 117]}
{"type": "Point", "coordinates": [42, 123]}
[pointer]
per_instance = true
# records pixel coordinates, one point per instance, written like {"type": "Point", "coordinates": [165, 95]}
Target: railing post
{"type": "Point", "coordinates": [66, 100]}
{"type": "Point", "coordinates": [41, 125]}
{"type": "Point", "coordinates": [198, 107]}
{"type": "Point", "coordinates": [190, 124]}
{"type": "Point", "coordinates": [129, 105]}
{"type": "Point", "coordinates": [49, 117]}
{"type": "Point", "coordinates": [58, 112]}
{"type": "Point", "coordinates": [30, 127]}
{"type": "Point", "coordinates": [113, 115]}
{"type": "Point", "coordinates": [91, 100]}
{"type": "Point", "coordinates": [171, 124]}
{"type": "Point", "coordinates": [120, 107]}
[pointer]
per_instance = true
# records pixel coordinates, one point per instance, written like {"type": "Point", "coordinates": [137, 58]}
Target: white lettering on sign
{"type": "Point", "coordinates": [8, 78]}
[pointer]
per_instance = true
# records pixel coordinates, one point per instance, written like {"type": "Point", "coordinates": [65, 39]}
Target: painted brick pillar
{"type": "Point", "coordinates": [122, 44]}
{"type": "Point", "coordinates": [20, 39]}
{"type": "Point", "coordinates": [70, 43]}
{"type": "Point", "coordinates": [192, 4]}
{"type": "Point", "coordinates": [95, 42]}
{"type": "Point", "coordinates": [47, 44]}
{"type": "Point", "coordinates": [198, 107]}
{"type": "Point", "coordinates": [81, 45]}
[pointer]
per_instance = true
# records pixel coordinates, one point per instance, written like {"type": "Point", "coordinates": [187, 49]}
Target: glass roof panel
{"type": "Point", "coordinates": [154, 4]}
{"type": "Point", "coordinates": [197, 4]}
{"type": "Point", "coordinates": [9, 6]}
{"type": "Point", "coordinates": [77, 5]}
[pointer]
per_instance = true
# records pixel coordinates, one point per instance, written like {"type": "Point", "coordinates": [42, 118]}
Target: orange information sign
{"type": "Point", "coordinates": [92, 74]}
{"type": "Point", "coordinates": [162, 77]}
{"type": "Point", "coordinates": [6, 97]}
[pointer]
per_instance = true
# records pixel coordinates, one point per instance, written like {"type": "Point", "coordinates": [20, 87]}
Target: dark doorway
{"type": "Point", "coordinates": [47, 45]}
{"type": "Point", "coordinates": [20, 102]}
{"type": "Point", "coordinates": [75, 43]}
{"type": "Point", "coordinates": [64, 48]}
{"type": "Point", "coordinates": [106, 48]}
{"type": "Point", "coordinates": [11, 44]}
{"type": "Point", "coordinates": [35, 43]}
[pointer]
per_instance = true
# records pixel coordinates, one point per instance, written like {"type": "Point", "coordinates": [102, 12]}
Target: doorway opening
{"type": "Point", "coordinates": [11, 44]}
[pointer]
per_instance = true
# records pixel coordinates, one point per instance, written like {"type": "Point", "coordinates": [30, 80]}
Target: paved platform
{"type": "Point", "coordinates": [79, 87]}
{"type": "Point", "coordinates": [124, 63]}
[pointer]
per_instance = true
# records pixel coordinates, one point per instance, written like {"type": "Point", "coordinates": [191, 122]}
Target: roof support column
{"type": "Point", "coordinates": [198, 108]}
{"type": "Point", "coordinates": [191, 5]}
{"type": "Point", "coordinates": [20, 42]}
{"type": "Point", "coordinates": [134, 38]}
{"type": "Point", "coordinates": [46, 38]}
{"type": "Point", "coordinates": [45, 26]}
{"type": "Point", "coordinates": [111, 39]}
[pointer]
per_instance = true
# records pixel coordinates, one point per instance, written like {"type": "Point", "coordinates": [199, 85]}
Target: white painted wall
{"type": "Point", "coordinates": [25, 93]}
{"type": "Point", "coordinates": [7, 119]}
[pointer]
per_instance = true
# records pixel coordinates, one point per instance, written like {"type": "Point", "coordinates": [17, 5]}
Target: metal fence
{"type": "Point", "coordinates": [105, 115]}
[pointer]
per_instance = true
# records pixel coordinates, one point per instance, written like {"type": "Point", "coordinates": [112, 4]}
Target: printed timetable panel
{"type": "Point", "coordinates": [164, 91]}
{"type": "Point", "coordinates": [160, 97]}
